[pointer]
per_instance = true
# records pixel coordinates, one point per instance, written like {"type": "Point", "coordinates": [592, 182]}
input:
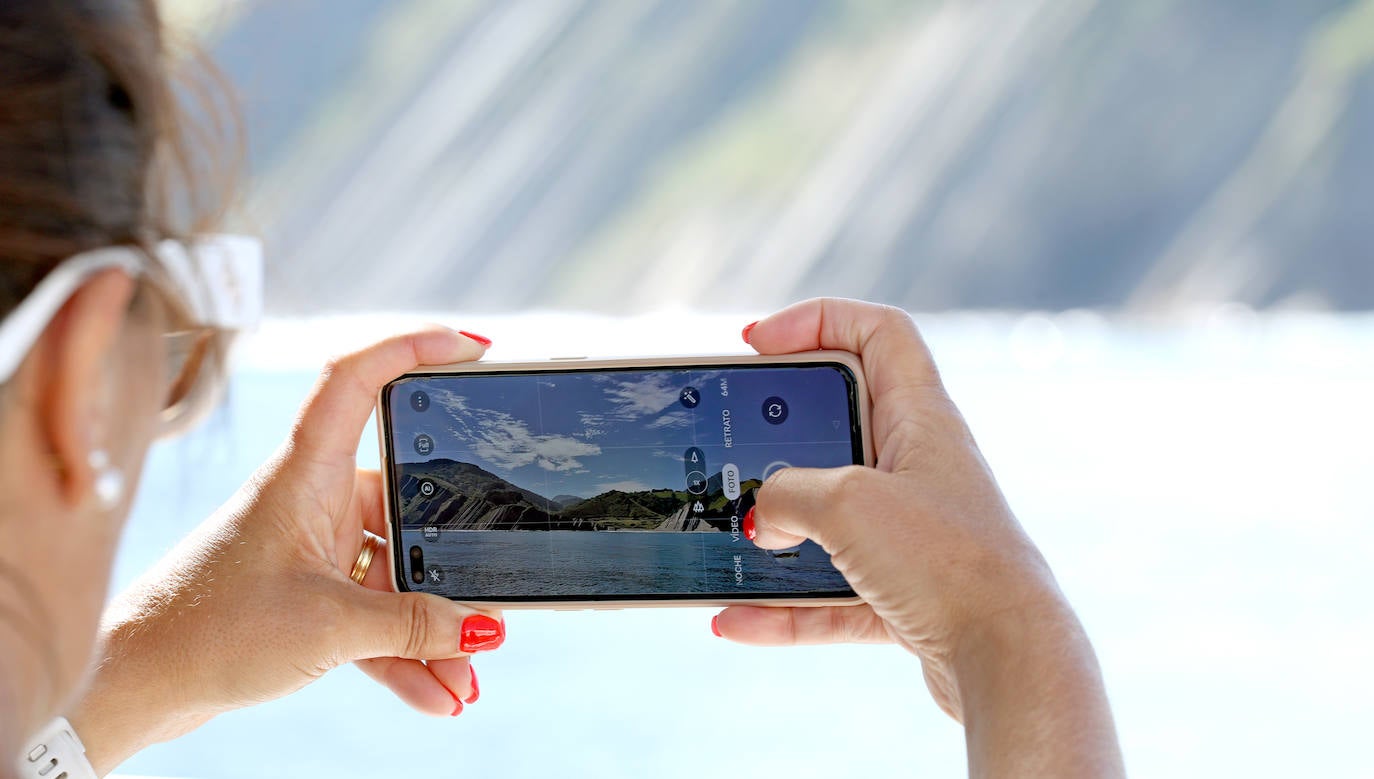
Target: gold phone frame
{"type": "Point", "coordinates": [847, 359]}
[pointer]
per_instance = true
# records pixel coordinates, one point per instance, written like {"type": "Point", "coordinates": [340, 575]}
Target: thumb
{"type": "Point", "coordinates": [333, 417]}
{"type": "Point", "coordinates": [414, 625]}
{"type": "Point", "coordinates": [815, 503]}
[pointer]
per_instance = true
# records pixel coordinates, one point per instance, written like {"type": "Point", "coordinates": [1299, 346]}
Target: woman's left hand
{"type": "Point", "coordinates": [257, 602]}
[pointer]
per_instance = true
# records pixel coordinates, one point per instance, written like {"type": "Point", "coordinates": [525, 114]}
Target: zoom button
{"type": "Point", "coordinates": [696, 483]}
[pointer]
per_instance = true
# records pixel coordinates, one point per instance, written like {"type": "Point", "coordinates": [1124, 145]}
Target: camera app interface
{"type": "Point", "coordinates": [621, 484]}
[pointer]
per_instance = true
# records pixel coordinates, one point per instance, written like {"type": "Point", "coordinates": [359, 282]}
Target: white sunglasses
{"type": "Point", "coordinates": [215, 280]}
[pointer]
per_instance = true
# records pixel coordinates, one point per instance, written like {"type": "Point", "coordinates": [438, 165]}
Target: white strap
{"type": "Point", "coordinates": [55, 753]}
{"type": "Point", "coordinates": [221, 277]}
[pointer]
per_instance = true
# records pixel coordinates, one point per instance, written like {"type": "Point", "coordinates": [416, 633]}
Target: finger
{"type": "Point", "coordinates": [333, 417]}
{"type": "Point", "coordinates": [822, 504]}
{"type": "Point", "coordinates": [414, 684]}
{"type": "Point", "coordinates": [896, 362]}
{"type": "Point", "coordinates": [775, 626]}
{"type": "Point", "coordinates": [884, 335]}
{"type": "Point", "coordinates": [368, 486]}
{"type": "Point", "coordinates": [773, 537]}
{"type": "Point", "coordinates": [414, 625]}
{"type": "Point", "coordinates": [368, 489]}
{"type": "Point", "coordinates": [378, 576]}
{"type": "Point", "coordinates": [457, 675]}
{"type": "Point", "coordinates": [367, 504]}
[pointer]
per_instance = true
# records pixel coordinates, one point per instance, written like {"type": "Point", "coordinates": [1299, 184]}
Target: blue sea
{"type": "Point", "coordinates": [1200, 486]}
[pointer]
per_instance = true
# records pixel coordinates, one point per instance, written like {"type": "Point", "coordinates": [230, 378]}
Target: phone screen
{"type": "Point", "coordinates": [619, 484]}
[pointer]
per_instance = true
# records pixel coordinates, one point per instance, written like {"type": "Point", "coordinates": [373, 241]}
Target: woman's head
{"type": "Point", "coordinates": [85, 102]}
{"type": "Point", "coordinates": [93, 153]}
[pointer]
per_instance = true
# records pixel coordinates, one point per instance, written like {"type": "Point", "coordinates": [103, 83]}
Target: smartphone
{"type": "Point", "coordinates": [578, 484]}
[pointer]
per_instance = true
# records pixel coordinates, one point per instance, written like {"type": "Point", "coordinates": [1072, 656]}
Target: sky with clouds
{"type": "Point", "coordinates": [583, 433]}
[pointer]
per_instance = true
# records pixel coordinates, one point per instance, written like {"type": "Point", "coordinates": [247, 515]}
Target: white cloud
{"type": "Point", "coordinates": [448, 401]}
{"type": "Point", "coordinates": [506, 442]}
{"type": "Point", "coordinates": [632, 399]}
{"type": "Point", "coordinates": [673, 419]}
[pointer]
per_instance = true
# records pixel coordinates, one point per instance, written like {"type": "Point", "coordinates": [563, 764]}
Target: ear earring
{"type": "Point", "coordinates": [109, 480]}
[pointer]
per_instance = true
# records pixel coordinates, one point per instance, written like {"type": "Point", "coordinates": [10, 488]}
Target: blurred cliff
{"type": "Point", "coordinates": [626, 156]}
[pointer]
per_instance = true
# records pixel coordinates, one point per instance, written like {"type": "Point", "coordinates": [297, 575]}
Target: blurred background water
{"type": "Point", "coordinates": [1137, 233]}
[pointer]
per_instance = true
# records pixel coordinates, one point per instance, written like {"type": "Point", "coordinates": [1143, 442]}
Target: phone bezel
{"type": "Point", "coordinates": [859, 409]}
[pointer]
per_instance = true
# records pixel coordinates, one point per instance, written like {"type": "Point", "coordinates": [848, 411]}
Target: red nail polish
{"type": "Point", "coordinates": [457, 707]}
{"type": "Point", "coordinates": [749, 328]}
{"type": "Point", "coordinates": [481, 339]}
{"type": "Point", "coordinates": [714, 627]}
{"type": "Point", "coordinates": [750, 532]}
{"type": "Point", "coordinates": [475, 691]}
{"type": "Point", "coordinates": [480, 633]}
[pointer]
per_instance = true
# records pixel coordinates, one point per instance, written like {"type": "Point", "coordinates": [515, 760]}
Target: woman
{"type": "Point", "coordinates": [113, 330]}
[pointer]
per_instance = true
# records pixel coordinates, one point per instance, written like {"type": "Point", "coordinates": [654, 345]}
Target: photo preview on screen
{"type": "Point", "coordinates": [621, 484]}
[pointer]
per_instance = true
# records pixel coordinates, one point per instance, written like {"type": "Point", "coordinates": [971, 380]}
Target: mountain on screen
{"type": "Point", "coordinates": [462, 496]}
{"type": "Point", "coordinates": [563, 501]}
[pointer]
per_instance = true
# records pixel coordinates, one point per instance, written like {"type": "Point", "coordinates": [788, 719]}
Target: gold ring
{"type": "Point", "coordinates": [371, 542]}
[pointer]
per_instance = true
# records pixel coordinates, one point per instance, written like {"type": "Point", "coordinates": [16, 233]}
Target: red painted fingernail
{"type": "Point", "coordinates": [714, 627]}
{"type": "Point", "coordinates": [457, 707]}
{"type": "Point", "coordinates": [480, 633]}
{"type": "Point", "coordinates": [749, 328]}
{"type": "Point", "coordinates": [481, 339]}
{"type": "Point", "coordinates": [475, 691]}
{"type": "Point", "coordinates": [749, 530]}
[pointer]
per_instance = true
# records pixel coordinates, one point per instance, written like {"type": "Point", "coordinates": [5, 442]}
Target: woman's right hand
{"type": "Point", "coordinates": [926, 539]}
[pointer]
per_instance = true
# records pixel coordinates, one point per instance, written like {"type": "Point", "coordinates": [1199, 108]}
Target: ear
{"type": "Point", "coordinates": [74, 394]}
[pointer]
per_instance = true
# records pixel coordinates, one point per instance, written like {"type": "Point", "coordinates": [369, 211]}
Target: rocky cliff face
{"type": "Point", "coordinates": [465, 497]}
{"type": "Point", "coordinates": [461, 496]}
{"type": "Point", "coordinates": [451, 510]}
{"type": "Point", "coordinates": [683, 520]}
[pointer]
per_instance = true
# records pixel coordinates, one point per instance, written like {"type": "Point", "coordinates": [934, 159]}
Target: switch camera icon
{"type": "Point", "coordinates": [774, 410]}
